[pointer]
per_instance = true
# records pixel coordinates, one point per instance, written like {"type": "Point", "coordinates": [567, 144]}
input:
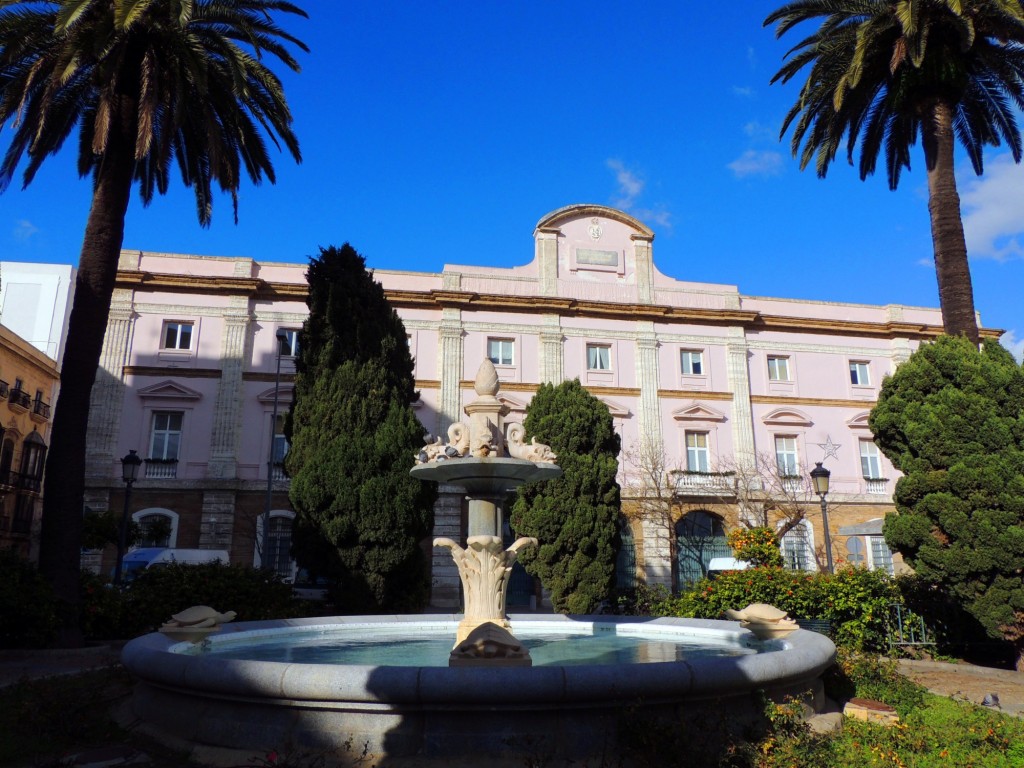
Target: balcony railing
{"type": "Point", "coordinates": [704, 483]}
{"type": "Point", "coordinates": [161, 469]}
{"type": "Point", "coordinates": [5, 389]}
{"type": "Point", "coordinates": [12, 479]}
{"type": "Point", "coordinates": [19, 399]}
{"type": "Point", "coordinates": [277, 472]}
{"type": "Point", "coordinates": [878, 485]}
{"type": "Point", "coordinates": [40, 411]}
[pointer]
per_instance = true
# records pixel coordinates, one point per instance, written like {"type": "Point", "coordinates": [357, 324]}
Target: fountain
{"type": "Point", "coordinates": [223, 699]}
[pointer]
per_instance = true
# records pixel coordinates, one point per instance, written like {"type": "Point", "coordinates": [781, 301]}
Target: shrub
{"type": "Point", "coordinates": [28, 611]}
{"type": "Point", "coordinates": [869, 676]}
{"type": "Point", "coordinates": [157, 593]}
{"type": "Point", "coordinates": [758, 546]}
{"type": "Point", "coordinates": [855, 600]}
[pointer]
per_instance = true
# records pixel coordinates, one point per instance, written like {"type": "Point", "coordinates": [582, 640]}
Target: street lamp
{"type": "Point", "coordinates": [129, 473]}
{"type": "Point", "coordinates": [819, 479]}
{"type": "Point", "coordinates": [282, 339]}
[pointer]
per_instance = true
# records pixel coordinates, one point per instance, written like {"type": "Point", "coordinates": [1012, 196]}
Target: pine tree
{"type": "Point", "coordinates": [360, 516]}
{"type": "Point", "coordinates": [574, 517]}
{"type": "Point", "coordinates": [951, 419]}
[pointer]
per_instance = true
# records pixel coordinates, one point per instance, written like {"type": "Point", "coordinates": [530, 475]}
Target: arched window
{"type": "Point", "coordinates": [158, 527]}
{"type": "Point", "coordinates": [33, 457]}
{"type": "Point", "coordinates": [700, 536]}
{"type": "Point", "coordinates": [6, 460]}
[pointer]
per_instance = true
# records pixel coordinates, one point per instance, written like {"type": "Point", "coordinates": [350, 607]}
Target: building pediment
{"type": "Point", "coordinates": [168, 390]}
{"type": "Point", "coordinates": [514, 405]}
{"type": "Point", "coordinates": [860, 421]}
{"type": "Point", "coordinates": [787, 417]}
{"type": "Point", "coordinates": [617, 410]}
{"type": "Point", "coordinates": [284, 394]}
{"type": "Point", "coordinates": [697, 412]}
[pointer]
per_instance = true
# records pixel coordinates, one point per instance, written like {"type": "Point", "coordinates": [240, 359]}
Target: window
{"type": "Point", "coordinates": [155, 530]}
{"type": "Point", "coordinates": [796, 550]}
{"type": "Point", "coordinates": [786, 457]}
{"type": "Point", "coordinates": [166, 438]}
{"type": "Point", "coordinates": [859, 375]}
{"type": "Point", "coordinates": [870, 460]}
{"type": "Point", "coordinates": [691, 362]}
{"type": "Point", "coordinates": [499, 351]}
{"type": "Point", "coordinates": [280, 449]}
{"type": "Point", "coordinates": [855, 550]}
{"type": "Point", "coordinates": [778, 369]}
{"type": "Point", "coordinates": [279, 545]}
{"type": "Point", "coordinates": [599, 357]}
{"type": "Point", "coordinates": [881, 555]}
{"type": "Point", "coordinates": [177, 335]}
{"type": "Point", "coordinates": [697, 451]}
{"type": "Point", "coordinates": [289, 343]}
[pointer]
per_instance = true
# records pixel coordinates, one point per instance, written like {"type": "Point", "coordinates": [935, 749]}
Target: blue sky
{"type": "Point", "coordinates": [440, 132]}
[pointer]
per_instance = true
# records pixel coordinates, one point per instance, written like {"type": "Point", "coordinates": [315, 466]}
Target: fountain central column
{"type": "Point", "coordinates": [478, 458]}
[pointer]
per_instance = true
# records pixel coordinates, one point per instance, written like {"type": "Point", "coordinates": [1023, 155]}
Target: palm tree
{"type": "Point", "coordinates": [884, 71]}
{"type": "Point", "coordinates": [147, 83]}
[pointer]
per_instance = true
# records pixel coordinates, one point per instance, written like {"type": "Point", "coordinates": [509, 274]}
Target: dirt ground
{"type": "Point", "coordinates": [967, 682]}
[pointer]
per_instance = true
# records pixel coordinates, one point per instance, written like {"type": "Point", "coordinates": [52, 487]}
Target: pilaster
{"type": "Point", "coordinates": [451, 339]}
{"type": "Point", "coordinates": [106, 401]}
{"type": "Point", "coordinates": [228, 408]}
{"type": "Point", "coordinates": [217, 526]}
{"type": "Point", "coordinates": [444, 574]}
{"type": "Point", "coordinates": [642, 252]}
{"type": "Point", "coordinates": [657, 552]}
{"type": "Point", "coordinates": [547, 260]}
{"type": "Point", "coordinates": [552, 369]}
{"type": "Point", "coordinates": [649, 415]}
{"type": "Point", "coordinates": [744, 450]}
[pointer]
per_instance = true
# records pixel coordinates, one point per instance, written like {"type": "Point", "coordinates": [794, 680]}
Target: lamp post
{"type": "Point", "coordinates": [282, 338]}
{"type": "Point", "coordinates": [129, 473]}
{"type": "Point", "coordinates": [819, 479]}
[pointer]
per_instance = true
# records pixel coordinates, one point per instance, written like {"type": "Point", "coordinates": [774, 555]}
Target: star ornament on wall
{"type": "Point", "coordinates": [831, 449]}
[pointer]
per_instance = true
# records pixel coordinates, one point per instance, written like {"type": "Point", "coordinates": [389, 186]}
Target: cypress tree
{"type": "Point", "coordinates": [360, 517]}
{"type": "Point", "coordinates": [951, 419]}
{"type": "Point", "coordinates": [574, 517]}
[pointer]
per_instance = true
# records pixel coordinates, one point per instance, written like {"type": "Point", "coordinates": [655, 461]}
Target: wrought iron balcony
{"type": "Point", "coordinates": [40, 411]}
{"type": "Point", "coordinates": [19, 400]}
{"type": "Point", "coordinates": [5, 389]}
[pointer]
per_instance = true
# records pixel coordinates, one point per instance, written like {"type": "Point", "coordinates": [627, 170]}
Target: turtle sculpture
{"type": "Point", "coordinates": [765, 621]}
{"type": "Point", "coordinates": [196, 623]}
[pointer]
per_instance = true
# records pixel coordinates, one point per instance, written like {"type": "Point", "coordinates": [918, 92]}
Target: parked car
{"type": "Point", "coordinates": [137, 560]}
{"type": "Point", "coordinates": [720, 565]}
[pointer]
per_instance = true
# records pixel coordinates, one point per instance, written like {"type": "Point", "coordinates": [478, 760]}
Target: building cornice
{"type": "Point", "coordinates": [467, 300]}
{"type": "Point", "coordinates": [828, 401]}
{"type": "Point", "coordinates": [175, 373]}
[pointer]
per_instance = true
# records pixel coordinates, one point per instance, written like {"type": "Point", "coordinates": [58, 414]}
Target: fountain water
{"type": "Point", "coordinates": [489, 704]}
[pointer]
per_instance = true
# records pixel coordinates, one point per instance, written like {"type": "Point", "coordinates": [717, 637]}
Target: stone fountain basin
{"type": "Point", "coordinates": [486, 476]}
{"type": "Point", "coordinates": [225, 709]}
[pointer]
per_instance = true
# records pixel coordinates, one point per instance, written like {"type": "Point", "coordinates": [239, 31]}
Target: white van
{"type": "Point", "coordinates": [718, 565]}
{"type": "Point", "coordinates": [149, 557]}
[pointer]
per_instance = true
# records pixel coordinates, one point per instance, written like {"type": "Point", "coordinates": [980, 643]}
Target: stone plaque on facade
{"type": "Point", "coordinates": [596, 258]}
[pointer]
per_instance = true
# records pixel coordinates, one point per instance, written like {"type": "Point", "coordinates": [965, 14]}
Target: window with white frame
{"type": "Point", "coordinates": [280, 449]}
{"type": "Point", "coordinates": [787, 459]}
{"type": "Point", "coordinates": [778, 368]}
{"type": "Point", "coordinates": [697, 452]}
{"type": "Point", "coordinates": [177, 335]}
{"type": "Point", "coordinates": [165, 439]}
{"type": "Point", "coordinates": [870, 460]}
{"type": "Point", "coordinates": [599, 357]}
{"type": "Point", "coordinates": [796, 548]}
{"type": "Point", "coordinates": [860, 376]}
{"type": "Point", "coordinates": [881, 555]}
{"type": "Point", "coordinates": [289, 341]}
{"type": "Point", "coordinates": [155, 530]}
{"type": "Point", "coordinates": [691, 362]}
{"type": "Point", "coordinates": [279, 546]}
{"type": "Point", "coordinates": [500, 351]}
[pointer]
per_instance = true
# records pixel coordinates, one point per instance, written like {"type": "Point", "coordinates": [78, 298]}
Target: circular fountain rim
{"type": "Point", "coordinates": [153, 658]}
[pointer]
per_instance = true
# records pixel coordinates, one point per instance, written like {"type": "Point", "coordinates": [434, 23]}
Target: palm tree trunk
{"type": "Point", "coordinates": [956, 295]}
{"type": "Point", "coordinates": [64, 485]}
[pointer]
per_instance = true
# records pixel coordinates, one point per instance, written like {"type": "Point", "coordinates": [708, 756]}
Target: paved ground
{"type": "Point", "coordinates": [969, 683]}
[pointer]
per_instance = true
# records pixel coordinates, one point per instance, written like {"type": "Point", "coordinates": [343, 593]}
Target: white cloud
{"type": "Point", "coordinates": [631, 186]}
{"type": "Point", "coordinates": [1012, 342]}
{"type": "Point", "coordinates": [757, 130]}
{"type": "Point", "coordinates": [756, 163]}
{"type": "Point", "coordinates": [990, 204]}
{"type": "Point", "coordinates": [926, 263]}
{"type": "Point", "coordinates": [744, 91]}
{"type": "Point", "coordinates": [752, 57]}
{"type": "Point", "coordinates": [24, 229]}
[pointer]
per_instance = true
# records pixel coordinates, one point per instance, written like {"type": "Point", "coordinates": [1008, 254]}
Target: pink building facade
{"type": "Point", "coordinates": [720, 399]}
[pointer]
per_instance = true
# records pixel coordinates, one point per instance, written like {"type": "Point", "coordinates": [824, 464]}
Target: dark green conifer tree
{"type": "Point", "coordinates": [360, 517]}
{"type": "Point", "coordinates": [575, 517]}
{"type": "Point", "coordinates": [951, 419]}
